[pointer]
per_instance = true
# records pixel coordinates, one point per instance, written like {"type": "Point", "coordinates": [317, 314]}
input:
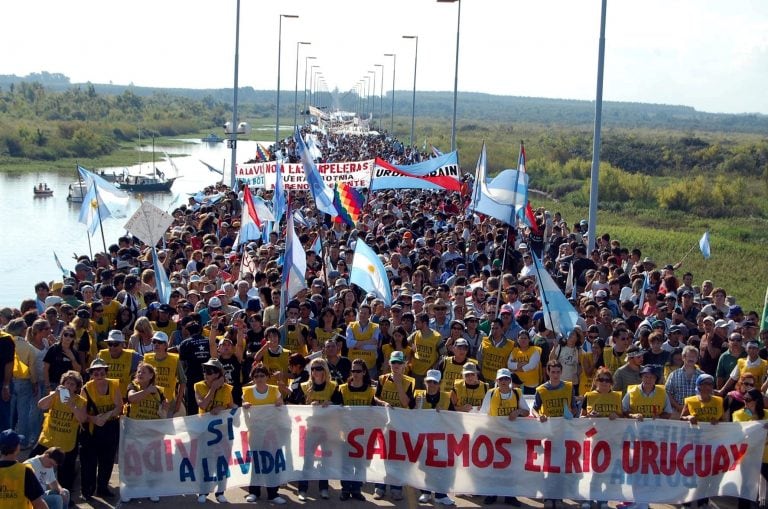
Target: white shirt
{"type": "Point", "coordinates": [46, 475]}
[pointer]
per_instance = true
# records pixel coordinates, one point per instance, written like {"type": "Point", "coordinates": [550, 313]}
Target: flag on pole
{"type": "Point", "coordinates": [93, 211]}
{"type": "Point", "coordinates": [262, 154]}
{"type": "Point", "coordinates": [161, 279]}
{"type": "Point", "coordinates": [559, 315]}
{"type": "Point", "coordinates": [435, 151]}
{"type": "Point", "coordinates": [369, 274]}
{"type": "Point", "coordinates": [321, 193]}
{"type": "Point", "coordinates": [497, 198]}
{"type": "Point", "coordinates": [522, 207]}
{"type": "Point", "coordinates": [530, 218]}
{"type": "Point", "coordinates": [349, 202]}
{"type": "Point", "coordinates": [569, 284]}
{"type": "Point", "coordinates": [248, 264]}
{"type": "Point", "coordinates": [254, 213]}
{"type": "Point", "coordinates": [704, 245]}
{"type": "Point", "coordinates": [764, 320]}
{"type": "Point", "coordinates": [294, 264]}
{"type": "Point", "coordinates": [64, 272]}
{"type": "Point", "coordinates": [114, 199]}
{"type": "Point", "coordinates": [641, 299]}
{"type": "Point", "coordinates": [317, 246]}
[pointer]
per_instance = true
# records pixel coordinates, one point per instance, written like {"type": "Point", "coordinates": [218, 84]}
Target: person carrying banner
{"type": "Point", "coordinates": [704, 406]}
{"type": "Point", "coordinates": [257, 394]}
{"type": "Point", "coordinates": [358, 391]}
{"type": "Point", "coordinates": [433, 398]}
{"type": "Point", "coordinates": [318, 390]}
{"type": "Point", "coordinates": [754, 410]}
{"type": "Point", "coordinates": [99, 442]}
{"type": "Point", "coordinates": [450, 367]}
{"type": "Point", "coordinates": [213, 395]}
{"type": "Point", "coordinates": [506, 399]}
{"type": "Point", "coordinates": [397, 390]}
{"type": "Point", "coordinates": [554, 398]}
{"type": "Point", "coordinates": [647, 400]}
{"type": "Point", "coordinates": [603, 402]}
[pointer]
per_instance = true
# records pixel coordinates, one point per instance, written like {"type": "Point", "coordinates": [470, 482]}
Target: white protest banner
{"type": "Point", "coordinates": [149, 223]}
{"type": "Point", "coordinates": [584, 459]}
{"type": "Point", "coordinates": [262, 175]}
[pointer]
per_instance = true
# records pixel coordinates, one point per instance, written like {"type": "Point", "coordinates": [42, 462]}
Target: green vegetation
{"type": "Point", "coordinates": [39, 125]}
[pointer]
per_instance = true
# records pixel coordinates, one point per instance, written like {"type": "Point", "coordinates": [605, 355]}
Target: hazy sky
{"type": "Point", "coordinates": [710, 54]}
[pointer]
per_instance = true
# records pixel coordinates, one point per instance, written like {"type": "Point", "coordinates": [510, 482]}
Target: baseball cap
{"type": "Point", "coordinates": [705, 378]}
{"type": "Point", "coordinates": [461, 342]}
{"type": "Point", "coordinates": [160, 336]}
{"type": "Point", "coordinates": [397, 356]}
{"type": "Point", "coordinates": [433, 375]}
{"type": "Point", "coordinates": [648, 370]}
{"type": "Point", "coordinates": [9, 439]}
{"type": "Point", "coordinates": [214, 303]}
{"type": "Point", "coordinates": [503, 373]}
{"type": "Point", "coordinates": [469, 368]}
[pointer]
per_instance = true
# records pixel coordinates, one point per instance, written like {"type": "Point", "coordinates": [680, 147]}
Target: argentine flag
{"type": "Point", "coordinates": [369, 274]}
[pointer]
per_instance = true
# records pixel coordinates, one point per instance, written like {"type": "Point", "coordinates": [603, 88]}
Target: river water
{"type": "Point", "coordinates": [38, 227]}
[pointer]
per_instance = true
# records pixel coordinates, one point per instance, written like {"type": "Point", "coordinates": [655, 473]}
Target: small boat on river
{"type": "Point", "coordinates": [212, 138]}
{"type": "Point", "coordinates": [42, 190]}
{"type": "Point", "coordinates": [76, 191]}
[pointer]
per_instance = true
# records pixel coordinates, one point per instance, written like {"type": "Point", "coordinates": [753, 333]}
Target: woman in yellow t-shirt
{"type": "Point", "coordinates": [145, 399]}
{"type": "Point", "coordinates": [260, 393]}
{"type": "Point", "coordinates": [65, 413]}
{"type": "Point", "coordinates": [214, 395]}
{"type": "Point", "coordinates": [754, 410]}
{"type": "Point", "coordinates": [602, 402]}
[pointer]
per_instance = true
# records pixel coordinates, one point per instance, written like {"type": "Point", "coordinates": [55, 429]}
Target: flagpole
{"type": "Point", "coordinates": [686, 255]}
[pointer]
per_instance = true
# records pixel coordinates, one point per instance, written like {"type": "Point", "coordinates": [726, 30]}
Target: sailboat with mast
{"type": "Point", "coordinates": [156, 182]}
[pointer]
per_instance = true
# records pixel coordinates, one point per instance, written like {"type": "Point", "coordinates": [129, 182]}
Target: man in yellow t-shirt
{"type": "Point", "coordinates": [21, 489]}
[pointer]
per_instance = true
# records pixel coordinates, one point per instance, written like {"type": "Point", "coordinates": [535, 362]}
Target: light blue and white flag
{"type": "Point", "coordinates": [368, 273]}
{"type": "Point", "coordinates": [321, 193]}
{"type": "Point", "coordinates": [161, 279]}
{"type": "Point", "coordinates": [498, 197]}
{"type": "Point", "coordinates": [559, 315]}
{"type": "Point", "coordinates": [114, 199]}
{"type": "Point", "coordinates": [93, 210]}
{"type": "Point", "coordinates": [704, 245]}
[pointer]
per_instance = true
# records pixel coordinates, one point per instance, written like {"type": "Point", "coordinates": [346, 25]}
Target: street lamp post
{"type": "Point", "coordinates": [305, 80]}
{"type": "Point", "coordinates": [373, 95]}
{"type": "Point", "coordinates": [381, 97]}
{"type": "Point", "coordinates": [392, 114]}
{"type": "Point", "coordinates": [311, 82]}
{"type": "Point", "coordinates": [413, 100]}
{"type": "Point", "coordinates": [455, 71]}
{"type": "Point", "coordinates": [299, 44]}
{"type": "Point", "coordinates": [233, 134]}
{"type": "Point", "coordinates": [318, 75]}
{"type": "Point", "coordinates": [279, 50]}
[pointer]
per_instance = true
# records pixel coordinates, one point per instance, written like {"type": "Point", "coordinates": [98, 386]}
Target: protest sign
{"type": "Point", "coordinates": [583, 459]}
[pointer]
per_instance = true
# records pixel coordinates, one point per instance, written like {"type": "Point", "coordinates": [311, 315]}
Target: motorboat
{"type": "Point", "coordinates": [76, 191]}
{"type": "Point", "coordinates": [212, 138]}
{"type": "Point", "coordinates": [42, 190]}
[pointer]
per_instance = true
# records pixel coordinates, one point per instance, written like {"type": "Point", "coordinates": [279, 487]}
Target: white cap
{"type": "Point", "coordinates": [115, 336]}
{"type": "Point", "coordinates": [433, 375]}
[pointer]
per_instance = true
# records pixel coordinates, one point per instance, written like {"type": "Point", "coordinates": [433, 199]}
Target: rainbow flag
{"type": "Point", "coordinates": [262, 154]}
{"type": "Point", "coordinates": [349, 202]}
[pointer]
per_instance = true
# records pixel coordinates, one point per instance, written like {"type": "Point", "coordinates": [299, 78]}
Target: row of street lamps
{"type": "Point", "coordinates": [313, 75]}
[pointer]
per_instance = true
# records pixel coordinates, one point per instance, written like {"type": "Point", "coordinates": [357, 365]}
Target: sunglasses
{"type": "Point", "coordinates": [606, 380]}
{"type": "Point", "coordinates": [395, 362]}
{"type": "Point", "coordinates": [155, 342]}
{"type": "Point", "coordinates": [67, 335]}
{"type": "Point", "coordinates": [748, 384]}
{"type": "Point", "coordinates": [318, 368]}
{"type": "Point", "coordinates": [210, 371]}
{"type": "Point", "coordinates": [356, 371]}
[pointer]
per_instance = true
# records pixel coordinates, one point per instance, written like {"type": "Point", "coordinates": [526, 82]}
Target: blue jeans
{"type": "Point", "coordinates": [21, 403]}
{"type": "Point", "coordinates": [54, 500]}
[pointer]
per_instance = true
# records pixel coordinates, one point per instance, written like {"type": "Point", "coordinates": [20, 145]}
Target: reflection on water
{"type": "Point", "coordinates": [36, 227]}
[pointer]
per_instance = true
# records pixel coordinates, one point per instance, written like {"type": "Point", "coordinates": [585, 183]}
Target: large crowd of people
{"type": "Point", "coordinates": [465, 331]}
